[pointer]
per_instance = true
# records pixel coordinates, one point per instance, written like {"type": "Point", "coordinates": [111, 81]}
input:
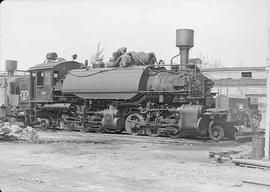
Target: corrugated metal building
{"type": "Point", "coordinates": [241, 82]}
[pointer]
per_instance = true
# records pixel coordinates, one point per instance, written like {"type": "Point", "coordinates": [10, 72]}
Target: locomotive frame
{"type": "Point", "coordinates": [142, 98]}
{"type": "Point", "coordinates": [152, 110]}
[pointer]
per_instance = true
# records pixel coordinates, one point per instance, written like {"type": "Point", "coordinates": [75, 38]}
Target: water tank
{"type": "Point", "coordinates": [184, 37]}
{"type": "Point", "coordinates": [11, 66]}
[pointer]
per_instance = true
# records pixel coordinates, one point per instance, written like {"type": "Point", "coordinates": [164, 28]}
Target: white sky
{"type": "Point", "coordinates": [234, 31]}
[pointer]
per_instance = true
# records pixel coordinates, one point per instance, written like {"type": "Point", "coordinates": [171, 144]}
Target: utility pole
{"type": "Point", "coordinates": [267, 127]}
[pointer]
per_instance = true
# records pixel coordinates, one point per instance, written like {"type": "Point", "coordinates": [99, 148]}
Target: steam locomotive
{"type": "Point", "coordinates": [135, 95]}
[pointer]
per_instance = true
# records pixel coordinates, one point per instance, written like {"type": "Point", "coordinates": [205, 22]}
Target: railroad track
{"type": "Point", "coordinates": [79, 137]}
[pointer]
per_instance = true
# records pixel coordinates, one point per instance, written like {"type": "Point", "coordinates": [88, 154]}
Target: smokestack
{"type": "Point", "coordinates": [11, 67]}
{"type": "Point", "coordinates": [184, 41]}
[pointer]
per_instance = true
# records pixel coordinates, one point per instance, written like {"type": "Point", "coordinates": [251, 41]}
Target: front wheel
{"type": "Point", "coordinates": [216, 133]}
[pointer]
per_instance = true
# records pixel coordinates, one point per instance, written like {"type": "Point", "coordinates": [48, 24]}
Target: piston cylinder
{"type": "Point", "coordinates": [190, 115]}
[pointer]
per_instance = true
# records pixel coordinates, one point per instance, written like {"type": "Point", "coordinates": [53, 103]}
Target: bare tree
{"type": "Point", "coordinates": [211, 62]}
{"type": "Point", "coordinates": [99, 56]}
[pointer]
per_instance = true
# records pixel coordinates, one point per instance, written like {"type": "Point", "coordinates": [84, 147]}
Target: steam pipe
{"type": "Point", "coordinates": [174, 57]}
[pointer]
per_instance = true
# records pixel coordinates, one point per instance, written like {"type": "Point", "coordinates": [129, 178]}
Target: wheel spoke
{"type": "Point", "coordinates": [154, 131]}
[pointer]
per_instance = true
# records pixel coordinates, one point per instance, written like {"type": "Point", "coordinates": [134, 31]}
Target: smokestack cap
{"type": "Point", "coordinates": [11, 66]}
{"type": "Point", "coordinates": [184, 38]}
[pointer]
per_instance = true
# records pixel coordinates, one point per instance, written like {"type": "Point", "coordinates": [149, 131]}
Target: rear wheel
{"type": "Point", "coordinates": [216, 133]}
{"type": "Point", "coordinates": [133, 124]}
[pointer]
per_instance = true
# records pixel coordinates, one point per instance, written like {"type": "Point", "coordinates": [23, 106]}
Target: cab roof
{"type": "Point", "coordinates": [49, 64]}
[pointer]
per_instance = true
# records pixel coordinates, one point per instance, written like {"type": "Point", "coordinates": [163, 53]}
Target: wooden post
{"type": "Point", "coordinates": [267, 127]}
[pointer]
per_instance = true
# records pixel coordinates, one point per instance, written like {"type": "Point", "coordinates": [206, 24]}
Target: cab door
{"type": "Point", "coordinates": [32, 86]}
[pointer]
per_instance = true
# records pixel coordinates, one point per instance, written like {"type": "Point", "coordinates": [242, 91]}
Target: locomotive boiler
{"type": "Point", "coordinates": [134, 94]}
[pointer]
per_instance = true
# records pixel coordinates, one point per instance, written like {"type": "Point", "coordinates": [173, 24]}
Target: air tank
{"type": "Point", "coordinates": [11, 67]}
{"type": "Point", "coordinates": [184, 41]}
{"type": "Point", "coordinates": [58, 106]}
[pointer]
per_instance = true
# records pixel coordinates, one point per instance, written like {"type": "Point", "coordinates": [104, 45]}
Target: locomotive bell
{"type": "Point", "coordinates": [184, 41]}
{"type": "Point", "coordinates": [51, 56]}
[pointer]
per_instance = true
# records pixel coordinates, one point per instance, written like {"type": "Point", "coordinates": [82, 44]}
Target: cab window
{"type": "Point", "coordinates": [40, 78]}
{"type": "Point", "coordinates": [55, 76]}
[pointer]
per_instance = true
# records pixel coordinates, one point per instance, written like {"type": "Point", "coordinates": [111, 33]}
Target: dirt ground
{"type": "Point", "coordinates": [74, 161]}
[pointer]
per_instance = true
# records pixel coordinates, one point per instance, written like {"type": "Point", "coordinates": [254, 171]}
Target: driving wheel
{"type": "Point", "coordinates": [154, 131]}
{"type": "Point", "coordinates": [133, 124]}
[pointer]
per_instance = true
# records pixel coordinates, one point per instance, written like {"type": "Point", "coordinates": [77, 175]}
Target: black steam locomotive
{"type": "Point", "coordinates": [134, 95]}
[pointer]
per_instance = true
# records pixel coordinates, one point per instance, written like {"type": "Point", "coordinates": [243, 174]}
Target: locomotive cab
{"type": "Point", "coordinates": [44, 78]}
